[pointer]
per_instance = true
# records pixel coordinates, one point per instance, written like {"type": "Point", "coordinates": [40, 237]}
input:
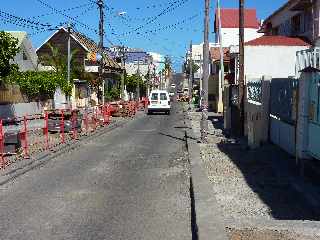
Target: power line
{"type": "Point", "coordinates": [170, 26]}
{"type": "Point", "coordinates": [63, 14]}
{"type": "Point", "coordinates": [64, 10]}
{"type": "Point", "coordinates": [168, 9]}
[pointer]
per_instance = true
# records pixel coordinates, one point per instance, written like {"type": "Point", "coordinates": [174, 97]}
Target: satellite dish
{"type": "Point", "coordinates": [122, 13]}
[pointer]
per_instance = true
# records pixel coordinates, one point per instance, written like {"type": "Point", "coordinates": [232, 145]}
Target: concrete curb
{"type": "Point", "coordinates": [207, 216]}
{"type": "Point", "coordinates": [43, 158]}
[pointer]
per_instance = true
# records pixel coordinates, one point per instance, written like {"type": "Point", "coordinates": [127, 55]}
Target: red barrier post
{"type": "Point", "coordinates": [108, 113]}
{"type": "Point", "coordinates": [93, 119]}
{"type": "Point", "coordinates": [46, 130]}
{"type": "Point", "coordinates": [62, 138]}
{"type": "Point", "coordinates": [25, 130]}
{"type": "Point", "coordinates": [74, 125]}
{"type": "Point", "coordinates": [86, 121]}
{"type": "Point", "coordinates": [3, 161]}
{"type": "Point", "coordinates": [97, 117]}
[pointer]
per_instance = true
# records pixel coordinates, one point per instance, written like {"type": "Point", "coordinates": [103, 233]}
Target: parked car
{"type": "Point", "coordinates": [159, 101]}
{"type": "Point", "coordinates": [171, 94]}
{"type": "Point", "coordinates": [55, 118]}
{"type": "Point", "coordinates": [173, 85]}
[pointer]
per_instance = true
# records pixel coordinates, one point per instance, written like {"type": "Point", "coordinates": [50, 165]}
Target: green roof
{"type": "Point", "coordinates": [19, 35]}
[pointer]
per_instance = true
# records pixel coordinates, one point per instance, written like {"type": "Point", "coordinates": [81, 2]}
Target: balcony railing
{"type": "Point", "coordinates": [307, 58]}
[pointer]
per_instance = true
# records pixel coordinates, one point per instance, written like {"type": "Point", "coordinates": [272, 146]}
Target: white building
{"type": "Point", "coordinates": [273, 56]}
{"type": "Point", "coordinates": [230, 26]}
{"type": "Point", "coordinates": [157, 60]}
{"type": "Point", "coordinates": [26, 58]}
{"type": "Point", "coordinates": [197, 56]}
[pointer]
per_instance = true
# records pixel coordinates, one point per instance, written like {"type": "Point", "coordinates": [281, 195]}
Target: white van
{"type": "Point", "coordinates": [159, 101]}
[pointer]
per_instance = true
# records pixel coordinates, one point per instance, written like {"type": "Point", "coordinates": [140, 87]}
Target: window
{"type": "Point", "coordinates": [163, 96]}
{"type": "Point", "coordinates": [308, 20]}
{"type": "Point", "coordinates": [24, 56]}
{"type": "Point", "coordinates": [296, 24]}
{"type": "Point", "coordinates": [154, 96]}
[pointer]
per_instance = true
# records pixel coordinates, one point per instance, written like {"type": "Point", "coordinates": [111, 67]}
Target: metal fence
{"type": "Point", "coordinates": [282, 98]}
{"type": "Point", "coordinates": [254, 91]}
{"type": "Point", "coordinates": [22, 137]}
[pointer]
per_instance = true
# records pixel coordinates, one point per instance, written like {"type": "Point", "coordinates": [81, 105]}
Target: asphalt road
{"type": "Point", "coordinates": [131, 183]}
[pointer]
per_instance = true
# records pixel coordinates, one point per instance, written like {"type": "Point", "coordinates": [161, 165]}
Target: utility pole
{"type": "Point", "coordinates": [69, 52]}
{"type": "Point", "coordinates": [100, 4]}
{"type": "Point", "coordinates": [190, 76]}
{"type": "Point", "coordinates": [221, 82]}
{"type": "Point", "coordinates": [69, 57]}
{"type": "Point", "coordinates": [122, 50]}
{"type": "Point", "coordinates": [138, 87]}
{"type": "Point", "coordinates": [241, 68]}
{"type": "Point", "coordinates": [148, 80]}
{"type": "Point", "coordinates": [205, 79]}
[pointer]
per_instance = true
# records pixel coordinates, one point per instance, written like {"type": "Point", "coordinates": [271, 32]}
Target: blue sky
{"type": "Point", "coordinates": [140, 27]}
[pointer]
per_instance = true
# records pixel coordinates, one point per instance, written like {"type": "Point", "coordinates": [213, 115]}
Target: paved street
{"type": "Point", "coordinates": [131, 183]}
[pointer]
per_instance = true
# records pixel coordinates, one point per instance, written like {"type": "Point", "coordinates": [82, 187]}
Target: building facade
{"type": "Point", "coordinates": [26, 58]}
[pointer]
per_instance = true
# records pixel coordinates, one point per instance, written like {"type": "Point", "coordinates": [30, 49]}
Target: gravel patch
{"type": "Point", "coordinates": [247, 186]}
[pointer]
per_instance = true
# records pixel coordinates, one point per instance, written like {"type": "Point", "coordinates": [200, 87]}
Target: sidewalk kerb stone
{"type": "Point", "coordinates": [209, 221]}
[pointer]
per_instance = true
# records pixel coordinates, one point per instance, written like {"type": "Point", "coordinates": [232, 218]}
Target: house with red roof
{"type": "Point", "coordinates": [230, 26]}
{"type": "Point", "coordinates": [296, 18]}
{"type": "Point", "coordinates": [273, 56]}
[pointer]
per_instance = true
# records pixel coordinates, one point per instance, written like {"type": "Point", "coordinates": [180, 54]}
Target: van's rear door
{"type": "Point", "coordinates": [164, 100]}
{"type": "Point", "coordinates": [154, 99]}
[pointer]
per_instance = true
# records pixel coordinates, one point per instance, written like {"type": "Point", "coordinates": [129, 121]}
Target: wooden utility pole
{"type": "Point", "coordinates": [190, 75]}
{"type": "Point", "coordinates": [205, 79]}
{"type": "Point", "coordinates": [138, 85]}
{"type": "Point", "coordinates": [221, 77]}
{"type": "Point", "coordinates": [241, 67]}
{"type": "Point", "coordinates": [123, 66]}
{"type": "Point", "coordinates": [100, 4]}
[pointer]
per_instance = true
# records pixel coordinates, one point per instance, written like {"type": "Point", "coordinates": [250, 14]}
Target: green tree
{"type": "Point", "coordinates": [167, 64]}
{"type": "Point", "coordinates": [195, 67]}
{"type": "Point", "coordinates": [132, 83]}
{"type": "Point", "coordinates": [8, 50]}
{"type": "Point", "coordinates": [37, 85]}
{"type": "Point", "coordinates": [59, 62]}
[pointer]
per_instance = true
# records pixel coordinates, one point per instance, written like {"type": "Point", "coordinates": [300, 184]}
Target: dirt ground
{"type": "Point", "coordinates": [256, 234]}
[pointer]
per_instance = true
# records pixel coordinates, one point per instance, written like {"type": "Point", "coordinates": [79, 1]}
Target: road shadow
{"type": "Point", "coordinates": [271, 174]}
{"type": "Point", "coordinates": [177, 138]}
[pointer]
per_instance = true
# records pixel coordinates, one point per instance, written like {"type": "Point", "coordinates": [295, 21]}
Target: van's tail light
{"type": "Point", "coordinates": [148, 102]}
{"type": "Point", "coordinates": [169, 102]}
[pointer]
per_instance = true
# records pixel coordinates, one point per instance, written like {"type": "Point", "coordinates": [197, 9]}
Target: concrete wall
{"type": "Point", "coordinates": [230, 36]}
{"type": "Point", "coordinates": [22, 109]}
{"type": "Point", "coordinates": [275, 61]}
{"type": "Point", "coordinates": [258, 117]}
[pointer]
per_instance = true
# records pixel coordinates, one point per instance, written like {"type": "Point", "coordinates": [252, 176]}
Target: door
{"type": "Point", "coordinates": [314, 116]}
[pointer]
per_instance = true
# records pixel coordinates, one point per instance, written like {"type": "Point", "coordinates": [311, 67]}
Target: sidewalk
{"type": "Point", "coordinates": [257, 187]}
